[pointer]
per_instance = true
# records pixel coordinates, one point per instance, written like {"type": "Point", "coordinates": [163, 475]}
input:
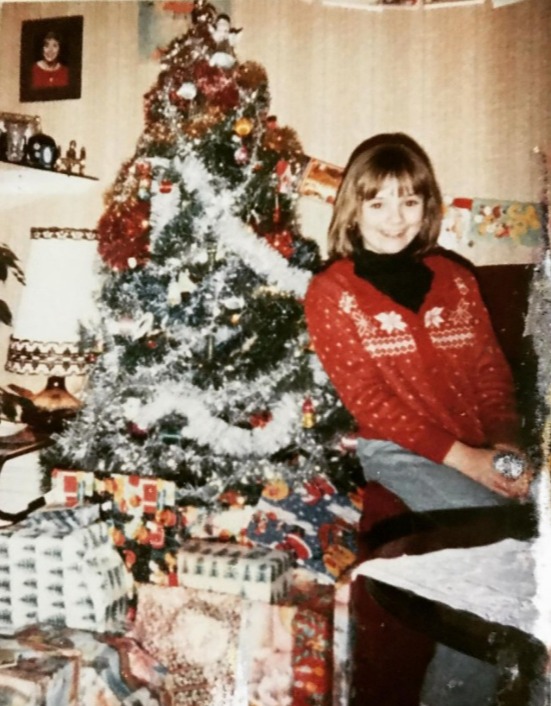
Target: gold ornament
{"type": "Point", "coordinates": [243, 127]}
{"type": "Point", "coordinates": [308, 414]}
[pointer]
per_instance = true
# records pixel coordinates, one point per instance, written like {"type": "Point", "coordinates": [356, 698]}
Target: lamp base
{"type": "Point", "coordinates": [55, 396]}
{"type": "Point", "coordinates": [51, 407]}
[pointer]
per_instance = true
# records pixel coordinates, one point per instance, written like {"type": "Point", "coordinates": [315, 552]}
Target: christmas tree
{"type": "Point", "coordinates": [205, 373]}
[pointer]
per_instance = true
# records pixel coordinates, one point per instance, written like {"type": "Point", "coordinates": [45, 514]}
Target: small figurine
{"type": "Point", "coordinates": [70, 163]}
{"type": "Point", "coordinates": [222, 31]}
{"type": "Point", "coordinates": [82, 161]}
{"type": "Point", "coordinates": [225, 38]}
{"type": "Point", "coordinates": [72, 151]}
{"type": "Point", "coordinates": [203, 12]}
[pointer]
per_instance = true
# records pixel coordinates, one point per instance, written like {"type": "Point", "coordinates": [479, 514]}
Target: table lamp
{"type": "Point", "coordinates": [56, 302]}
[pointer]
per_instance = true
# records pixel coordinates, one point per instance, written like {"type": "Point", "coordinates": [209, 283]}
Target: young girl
{"type": "Point", "coordinates": [401, 329]}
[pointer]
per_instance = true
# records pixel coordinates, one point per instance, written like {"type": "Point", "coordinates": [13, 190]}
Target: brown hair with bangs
{"type": "Point", "coordinates": [374, 160]}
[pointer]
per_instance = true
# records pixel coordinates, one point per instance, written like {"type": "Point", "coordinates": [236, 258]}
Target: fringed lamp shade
{"type": "Point", "coordinates": [56, 301]}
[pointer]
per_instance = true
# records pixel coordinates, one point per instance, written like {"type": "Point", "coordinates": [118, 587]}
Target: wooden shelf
{"type": "Point", "coordinates": [20, 179]}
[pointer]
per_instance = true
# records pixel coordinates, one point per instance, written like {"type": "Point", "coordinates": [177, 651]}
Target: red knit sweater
{"type": "Point", "coordinates": [422, 380]}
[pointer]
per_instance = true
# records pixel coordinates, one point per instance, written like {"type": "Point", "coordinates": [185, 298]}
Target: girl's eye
{"type": "Point", "coordinates": [412, 202]}
{"type": "Point", "coordinates": [375, 204]}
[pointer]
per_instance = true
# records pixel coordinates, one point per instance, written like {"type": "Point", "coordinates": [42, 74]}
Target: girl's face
{"type": "Point", "coordinates": [392, 218]}
{"type": "Point", "coordinates": [50, 50]}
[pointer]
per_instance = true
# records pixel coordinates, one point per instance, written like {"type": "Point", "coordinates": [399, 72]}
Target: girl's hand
{"type": "Point", "coordinates": [478, 465]}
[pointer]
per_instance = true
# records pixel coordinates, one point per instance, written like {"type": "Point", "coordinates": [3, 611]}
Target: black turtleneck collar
{"type": "Point", "coordinates": [402, 276]}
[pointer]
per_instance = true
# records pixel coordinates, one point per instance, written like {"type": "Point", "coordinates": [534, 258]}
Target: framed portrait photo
{"type": "Point", "coordinates": [50, 59]}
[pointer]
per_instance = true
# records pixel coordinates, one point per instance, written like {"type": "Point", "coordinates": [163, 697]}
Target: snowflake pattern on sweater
{"type": "Point", "coordinates": [420, 379]}
{"type": "Point", "coordinates": [447, 329]}
{"type": "Point", "coordinates": [396, 342]}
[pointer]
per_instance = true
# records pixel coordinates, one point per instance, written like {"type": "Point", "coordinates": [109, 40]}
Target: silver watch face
{"type": "Point", "coordinates": [509, 464]}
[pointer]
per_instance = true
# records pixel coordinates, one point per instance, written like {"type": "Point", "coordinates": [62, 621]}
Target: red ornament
{"type": "Point", "coordinates": [157, 536]}
{"type": "Point", "coordinates": [129, 558]}
{"type": "Point", "coordinates": [166, 517]}
{"type": "Point", "coordinates": [283, 171]}
{"type": "Point", "coordinates": [165, 187]}
{"type": "Point", "coordinates": [282, 242]}
{"type": "Point", "coordinates": [260, 419]}
{"type": "Point", "coordinates": [123, 234]}
{"type": "Point", "coordinates": [216, 85]}
{"type": "Point", "coordinates": [308, 414]}
{"type": "Point", "coordinates": [135, 431]}
{"type": "Point", "coordinates": [142, 535]}
{"type": "Point", "coordinates": [241, 155]}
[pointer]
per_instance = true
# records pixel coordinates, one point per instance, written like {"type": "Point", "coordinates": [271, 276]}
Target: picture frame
{"type": "Point", "coordinates": [15, 131]}
{"type": "Point", "coordinates": [320, 180]}
{"type": "Point", "coordinates": [51, 59]}
{"type": "Point", "coordinates": [374, 4]}
{"type": "Point", "coordinates": [450, 3]}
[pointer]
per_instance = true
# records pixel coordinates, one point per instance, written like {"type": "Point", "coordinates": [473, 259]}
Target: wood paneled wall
{"type": "Point", "coordinates": [472, 83]}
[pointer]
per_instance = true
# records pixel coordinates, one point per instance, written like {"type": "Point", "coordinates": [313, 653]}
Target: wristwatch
{"type": "Point", "coordinates": [509, 464]}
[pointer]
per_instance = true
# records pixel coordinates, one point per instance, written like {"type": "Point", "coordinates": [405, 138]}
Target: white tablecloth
{"type": "Point", "coordinates": [496, 582]}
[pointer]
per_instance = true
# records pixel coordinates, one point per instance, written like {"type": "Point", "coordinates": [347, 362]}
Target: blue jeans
{"type": "Point", "coordinates": [422, 484]}
{"type": "Point", "coordinates": [452, 678]}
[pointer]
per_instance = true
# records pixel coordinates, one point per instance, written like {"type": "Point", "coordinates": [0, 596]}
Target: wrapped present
{"type": "Point", "coordinates": [49, 570]}
{"type": "Point", "coordinates": [77, 486]}
{"type": "Point", "coordinates": [112, 670]}
{"type": "Point", "coordinates": [23, 576]}
{"type": "Point", "coordinates": [218, 646]}
{"type": "Point", "coordinates": [225, 522]}
{"type": "Point", "coordinates": [313, 521]}
{"type": "Point", "coordinates": [60, 558]}
{"type": "Point", "coordinates": [56, 567]}
{"type": "Point", "coordinates": [196, 635]}
{"type": "Point", "coordinates": [95, 581]}
{"type": "Point", "coordinates": [36, 679]}
{"type": "Point", "coordinates": [21, 566]}
{"type": "Point", "coordinates": [53, 519]}
{"type": "Point", "coordinates": [255, 573]}
{"type": "Point", "coordinates": [143, 519]}
{"type": "Point", "coordinates": [288, 656]}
